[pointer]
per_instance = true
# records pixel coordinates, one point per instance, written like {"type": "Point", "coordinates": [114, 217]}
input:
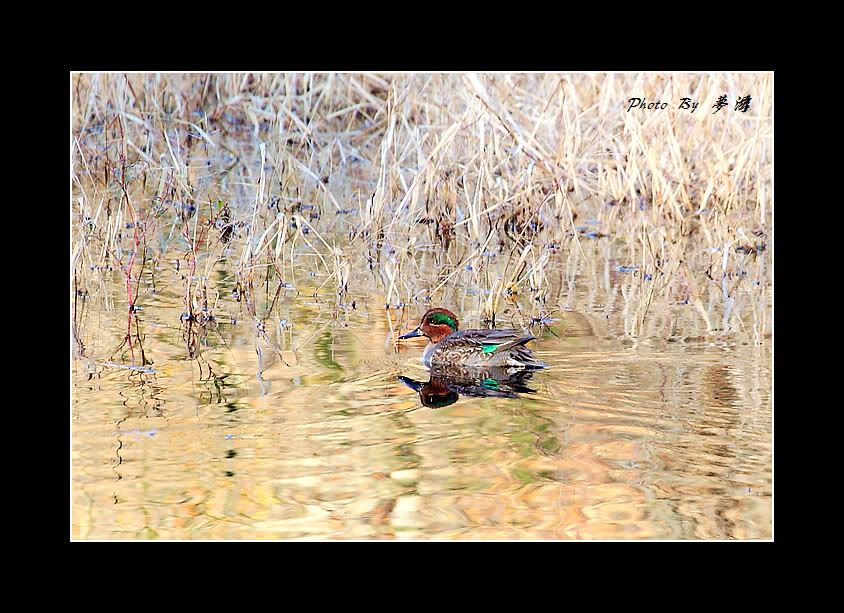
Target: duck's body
{"type": "Point", "coordinates": [485, 348]}
{"type": "Point", "coordinates": [472, 348]}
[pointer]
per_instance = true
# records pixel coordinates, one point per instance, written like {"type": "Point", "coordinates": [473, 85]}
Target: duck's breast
{"type": "Point", "coordinates": [428, 354]}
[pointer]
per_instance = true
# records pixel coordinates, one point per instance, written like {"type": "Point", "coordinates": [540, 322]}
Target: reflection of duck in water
{"type": "Point", "coordinates": [480, 348]}
{"type": "Point", "coordinates": [445, 387]}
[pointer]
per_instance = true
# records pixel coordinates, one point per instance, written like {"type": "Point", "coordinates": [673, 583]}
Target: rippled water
{"type": "Point", "coordinates": [304, 430]}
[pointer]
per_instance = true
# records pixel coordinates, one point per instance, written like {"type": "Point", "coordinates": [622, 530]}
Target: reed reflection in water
{"type": "Point", "coordinates": [230, 434]}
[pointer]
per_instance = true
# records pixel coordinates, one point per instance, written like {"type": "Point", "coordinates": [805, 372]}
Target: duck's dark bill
{"type": "Point", "coordinates": [416, 332]}
{"type": "Point", "coordinates": [411, 383]}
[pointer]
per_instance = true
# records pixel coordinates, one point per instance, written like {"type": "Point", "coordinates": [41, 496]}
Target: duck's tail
{"type": "Point", "coordinates": [523, 357]}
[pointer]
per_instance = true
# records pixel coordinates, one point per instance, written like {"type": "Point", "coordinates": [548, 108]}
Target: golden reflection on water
{"type": "Point", "coordinates": [231, 434]}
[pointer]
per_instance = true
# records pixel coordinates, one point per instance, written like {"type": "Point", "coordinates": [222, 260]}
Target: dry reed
{"type": "Point", "coordinates": [509, 190]}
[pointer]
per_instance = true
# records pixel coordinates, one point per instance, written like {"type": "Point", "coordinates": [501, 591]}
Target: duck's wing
{"type": "Point", "coordinates": [491, 341]}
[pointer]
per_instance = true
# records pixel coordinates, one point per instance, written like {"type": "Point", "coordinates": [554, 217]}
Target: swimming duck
{"type": "Point", "coordinates": [497, 348]}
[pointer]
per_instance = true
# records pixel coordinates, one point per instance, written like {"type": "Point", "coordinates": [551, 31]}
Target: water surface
{"type": "Point", "coordinates": [303, 430]}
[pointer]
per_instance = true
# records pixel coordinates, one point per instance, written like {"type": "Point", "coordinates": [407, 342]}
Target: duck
{"type": "Point", "coordinates": [450, 346]}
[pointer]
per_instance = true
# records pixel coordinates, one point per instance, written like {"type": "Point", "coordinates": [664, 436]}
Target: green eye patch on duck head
{"type": "Point", "coordinates": [440, 319]}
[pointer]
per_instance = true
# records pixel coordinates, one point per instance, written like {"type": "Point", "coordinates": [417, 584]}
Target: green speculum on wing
{"type": "Point", "coordinates": [489, 348]}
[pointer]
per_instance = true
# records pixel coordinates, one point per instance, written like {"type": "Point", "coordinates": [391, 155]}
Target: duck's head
{"type": "Point", "coordinates": [436, 325]}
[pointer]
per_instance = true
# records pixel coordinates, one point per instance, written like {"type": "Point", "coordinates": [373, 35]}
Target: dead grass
{"type": "Point", "coordinates": [504, 189]}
